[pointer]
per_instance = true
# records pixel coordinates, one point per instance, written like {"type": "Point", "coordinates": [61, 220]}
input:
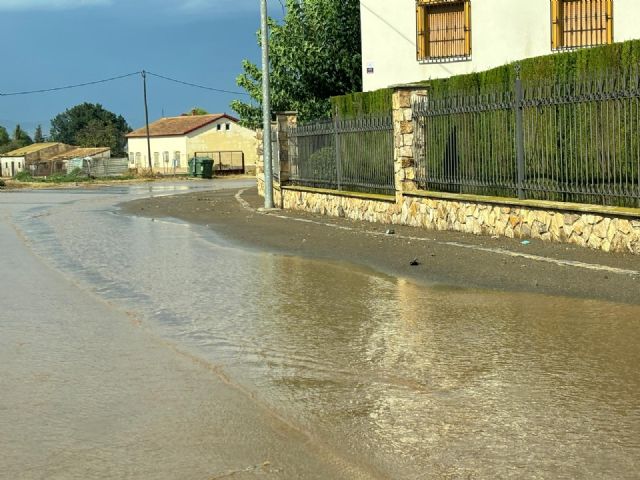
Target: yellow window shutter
{"type": "Point", "coordinates": [421, 31]}
{"type": "Point", "coordinates": [555, 24]}
{"type": "Point", "coordinates": [609, 21]}
{"type": "Point", "coordinates": [467, 27]}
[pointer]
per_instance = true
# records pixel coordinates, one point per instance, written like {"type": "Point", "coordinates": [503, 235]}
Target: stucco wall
{"type": "Point", "coordinates": [206, 139]}
{"type": "Point", "coordinates": [237, 138]}
{"type": "Point", "coordinates": [502, 31]}
{"type": "Point", "coordinates": [158, 144]}
{"type": "Point", "coordinates": [6, 169]}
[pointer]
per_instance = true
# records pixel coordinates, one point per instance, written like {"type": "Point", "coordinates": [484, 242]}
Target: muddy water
{"type": "Point", "coordinates": [416, 381]}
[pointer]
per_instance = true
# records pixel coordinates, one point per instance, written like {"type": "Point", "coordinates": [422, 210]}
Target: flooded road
{"type": "Point", "coordinates": [406, 381]}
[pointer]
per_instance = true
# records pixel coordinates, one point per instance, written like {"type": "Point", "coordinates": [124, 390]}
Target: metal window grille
{"type": "Point", "coordinates": [581, 23]}
{"type": "Point", "coordinates": [353, 155]}
{"type": "Point", "coordinates": [443, 30]}
{"type": "Point", "coordinates": [562, 141]}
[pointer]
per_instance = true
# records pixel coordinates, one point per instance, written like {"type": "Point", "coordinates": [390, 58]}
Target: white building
{"type": "Point", "coordinates": [14, 162]}
{"type": "Point", "coordinates": [406, 41]}
{"type": "Point", "coordinates": [174, 140]}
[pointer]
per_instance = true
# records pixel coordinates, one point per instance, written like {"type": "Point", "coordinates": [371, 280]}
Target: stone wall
{"type": "Point", "coordinates": [597, 231]}
{"type": "Point", "coordinates": [608, 229]}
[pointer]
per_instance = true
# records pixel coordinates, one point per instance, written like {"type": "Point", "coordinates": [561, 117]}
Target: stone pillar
{"type": "Point", "coordinates": [260, 162]}
{"type": "Point", "coordinates": [285, 120]}
{"type": "Point", "coordinates": [404, 138]}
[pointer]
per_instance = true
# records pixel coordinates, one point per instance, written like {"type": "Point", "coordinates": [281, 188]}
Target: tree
{"type": "Point", "coordinates": [19, 139]}
{"type": "Point", "coordinates": [4, 136]}
{"type": "Point", "coordinates": [196, 111]}
{"type": "Point", "coordinates": [314, 54]}
{"type": "Point", "coordinates": [87, 124]}
{"type": "Point", "coordinates": [37, 136]}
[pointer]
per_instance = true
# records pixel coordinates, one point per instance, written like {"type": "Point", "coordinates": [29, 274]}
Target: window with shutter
{"type": "Point", "coordinates": [581, 23]}
{"type": "Point", "coordinates": [443, 30]}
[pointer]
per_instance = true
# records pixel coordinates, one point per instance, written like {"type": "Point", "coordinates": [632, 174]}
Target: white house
{"type": "Point", "coordinates": [174, 140]}
{"type": "Point", "coordinates": [12, 163]}
{"type": "Point", "coordinates": [406, 41]}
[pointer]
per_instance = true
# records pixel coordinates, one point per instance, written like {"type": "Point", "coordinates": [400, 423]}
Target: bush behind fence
{"type": "Point", "coordinates": [354, 155]}
{"type": "Point", "coordinates": [578, 140]}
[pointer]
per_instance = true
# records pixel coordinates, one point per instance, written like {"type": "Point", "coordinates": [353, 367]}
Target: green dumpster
{"type": "Point", "coordinates": [207, 167]}
{"type": "Point", "coordinates": [201, 167]}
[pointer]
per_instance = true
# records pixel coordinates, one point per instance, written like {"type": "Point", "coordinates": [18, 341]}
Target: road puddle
{"type": "Point", "coordinates": [415, 380]}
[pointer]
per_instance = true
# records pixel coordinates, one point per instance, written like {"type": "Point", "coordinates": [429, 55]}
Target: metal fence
{"type": "Point", "coordinates": [565, 141]}
{"type": "Point", "coordinates": [354, 155]}
{"type": "Point", "coordinates": [225, 161]}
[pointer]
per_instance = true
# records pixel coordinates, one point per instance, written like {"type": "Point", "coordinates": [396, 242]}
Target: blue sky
{"type": "Point", "coordinates": [51, 43]}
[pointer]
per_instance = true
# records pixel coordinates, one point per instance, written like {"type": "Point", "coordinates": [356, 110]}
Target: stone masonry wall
{"type": "Point", "coordinates": [604, 232]}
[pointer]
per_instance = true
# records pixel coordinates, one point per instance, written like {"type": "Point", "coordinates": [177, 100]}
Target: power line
{"type": "Point", "coordinates": [182, 82]}
{"type": "Point", "coordinates": [67, 87]}
{"type": "Point", "coordinates": [111, 79]}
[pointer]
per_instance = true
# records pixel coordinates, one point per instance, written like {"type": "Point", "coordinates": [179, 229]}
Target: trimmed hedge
{"type": "Point", "coordinates": [361, 104]}
{"type": "Point", "coordinates": [559, 67]}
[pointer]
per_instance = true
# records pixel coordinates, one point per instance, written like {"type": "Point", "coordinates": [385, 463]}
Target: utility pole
{"type": "Point", "coordinates": [266, 109]}
{"type": "Point", "coordinates": [146, 116]}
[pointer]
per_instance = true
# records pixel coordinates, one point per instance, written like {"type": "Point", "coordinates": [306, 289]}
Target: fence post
{"type": "Point", "coordinates": [519, 111]}
{"type": "Point", "coordinates": [405, 144]}
{"type": "Point", "coordinates": [336, 142]}
{"type": "Point", "coordinates": [285, 120]}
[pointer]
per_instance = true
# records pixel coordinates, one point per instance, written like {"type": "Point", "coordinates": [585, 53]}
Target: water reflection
{"type": "Point", "coordinates": [412, 379]}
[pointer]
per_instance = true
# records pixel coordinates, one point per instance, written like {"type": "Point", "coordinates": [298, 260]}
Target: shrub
{"type": "Point", "coordinates": [24, 176]}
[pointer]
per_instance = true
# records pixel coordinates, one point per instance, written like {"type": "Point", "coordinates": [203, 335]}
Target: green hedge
{"type": "Point", "coordinates": [591, 145]}
{"type": "Point", "coordinates": [355, 105]}
{"type": "Point", "coordinates": [562, 67]}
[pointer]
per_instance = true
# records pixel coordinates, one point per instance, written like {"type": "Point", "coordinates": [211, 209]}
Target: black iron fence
{"type": "Point", "coordinates": [354, 155]}
{"type": "Point", "coordinates": [572, 142]}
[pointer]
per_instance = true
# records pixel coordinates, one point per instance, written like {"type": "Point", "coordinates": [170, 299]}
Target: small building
{"type": "Point", "coordinates": [77, 157]}
{"type": "Point", "coordinates": [174, 140]}
{"type": "Point", "coordinates": [407, 41]}
{"type": "Point", "coordinates": [12, 163]}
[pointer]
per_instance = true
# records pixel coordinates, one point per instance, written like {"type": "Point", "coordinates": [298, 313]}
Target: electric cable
{"type": "Point", "coordinates": [67, 87]}
{"type": "Point", "coordinates": [182, 82]}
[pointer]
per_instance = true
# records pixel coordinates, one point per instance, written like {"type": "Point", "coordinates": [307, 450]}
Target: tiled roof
{"type": "Point", "coordinates": [80, 152]}
{"type": "Point", "coordinates": [172, 126]}
{"type": "Point", "coordinates": [34, 147]}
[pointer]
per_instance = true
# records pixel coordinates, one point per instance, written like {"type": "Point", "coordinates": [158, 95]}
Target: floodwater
{"type": "Point", "coordinates": [416, 381]}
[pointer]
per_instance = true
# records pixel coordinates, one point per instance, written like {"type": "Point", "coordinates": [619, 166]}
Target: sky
{"type": "Point", "coordinates": [53, 43]}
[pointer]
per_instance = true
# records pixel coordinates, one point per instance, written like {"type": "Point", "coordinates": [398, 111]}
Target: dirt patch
{"type": "Point", "coordinates": [450, 258]}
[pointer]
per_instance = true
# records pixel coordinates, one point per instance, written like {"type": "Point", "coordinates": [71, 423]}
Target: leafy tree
{"type": "Point", "coordinates": [19, 139]}
{"type": "Point", "coordinates": [4, 136]}
{"type": "Point", "coordinates": [314, 54]}
{"type": "Point", "coordinates": [37, 136]}
{"type": "Point", "coordinates": [86, 124]}
{"type": "Point", "coordinates": [22, 137]}
{"type": "Point", "coordinates": [196, 111]}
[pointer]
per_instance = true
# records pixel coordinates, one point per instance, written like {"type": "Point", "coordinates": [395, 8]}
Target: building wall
{"type": "Point", "coordinates": [206, 139]}
{"type": "Point", "coordinates": [158, 145]}
{"type": "Point", "coordinates": [502, 31]}
{"type": "Point", "coordinates": [6, 168]}
{"type": "Point", "coordinates": [236, 138]}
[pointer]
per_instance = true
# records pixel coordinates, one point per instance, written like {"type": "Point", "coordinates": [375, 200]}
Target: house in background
{"type": "Point", "coordinates": [408, 41]}
{"type": "Point", "coordinates": [11, 163]}
{"type": "Point", "coordinates": [174, 140]}
{"type": "Point", "coordinates": [78, 157]}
